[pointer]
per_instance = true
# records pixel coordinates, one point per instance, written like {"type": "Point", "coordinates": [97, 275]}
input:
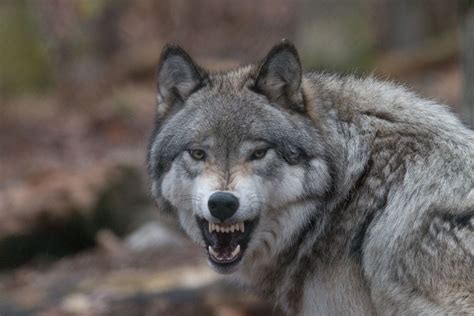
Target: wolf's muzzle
{"type": "Point", "coordinates": [223, 205]}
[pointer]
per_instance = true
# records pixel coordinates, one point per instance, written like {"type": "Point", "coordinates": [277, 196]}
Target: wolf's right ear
{"type": "Point", "coordinates": [178, 78]}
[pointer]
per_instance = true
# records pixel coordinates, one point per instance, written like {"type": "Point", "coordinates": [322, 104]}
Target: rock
{"type": "Point", "coordinates": [77, 304]}
{"type": "Point", "coordinates": [153, 235]}
{"type": "Point", "coordinates": [110, 243]}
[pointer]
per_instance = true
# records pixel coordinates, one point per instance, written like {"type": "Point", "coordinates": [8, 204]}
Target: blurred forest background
{"type": "Point", "coordinates": [79, 234]}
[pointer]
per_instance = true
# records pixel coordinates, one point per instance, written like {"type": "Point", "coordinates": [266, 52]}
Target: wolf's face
{"type": "Point", "coordinates": [233, 153]}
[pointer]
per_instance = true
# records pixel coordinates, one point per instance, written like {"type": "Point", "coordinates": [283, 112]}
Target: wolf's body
{"type": "Point", "coordinates": [363, 204]}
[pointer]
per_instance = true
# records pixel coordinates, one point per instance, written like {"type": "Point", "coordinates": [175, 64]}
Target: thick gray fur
{"type": "Point", "coordinates": [366, 199]}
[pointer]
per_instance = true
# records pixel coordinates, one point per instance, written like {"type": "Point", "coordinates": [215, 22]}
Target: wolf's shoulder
{"type": "Point", "coordinates": [390, 104]}
{"type": "Point", "coordinates": [365, 93]}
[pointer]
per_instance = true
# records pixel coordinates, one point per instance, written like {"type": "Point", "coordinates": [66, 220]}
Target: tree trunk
{"type": "Point", "coordinates": [468, 62]}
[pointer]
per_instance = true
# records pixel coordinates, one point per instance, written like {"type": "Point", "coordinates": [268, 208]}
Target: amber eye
{"type": "Point", "coordinates": [258, 154]}
{"type": "Point", "coordinates": [197, 154]}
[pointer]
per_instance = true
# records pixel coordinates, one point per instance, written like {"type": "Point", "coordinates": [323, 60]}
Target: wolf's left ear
{"type": "Point", "coordinates": [279, 76]}
{"type": "Point", "coordinates": [178, 77]}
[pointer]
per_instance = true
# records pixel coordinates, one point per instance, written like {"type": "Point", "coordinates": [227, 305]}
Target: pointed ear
{"type": "Point", "coordinates": [178, 77]}
{"type": "Point", "coordinates": [279, 76]}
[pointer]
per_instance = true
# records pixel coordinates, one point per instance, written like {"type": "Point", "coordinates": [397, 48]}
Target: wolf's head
{"type": "Point", "coordinates": [236, 155]}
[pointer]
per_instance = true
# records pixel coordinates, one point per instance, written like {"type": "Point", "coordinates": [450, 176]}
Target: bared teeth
{"type": "Point", "coordinates": [235, 252]}
{"type": "Point", "coordinates": [212, 251]}
{"type": "Point", "coordinates": [226, 228]}
{"type": "Point", "coordinates": [212, 227]}
{"type": "Point", "coordinates": [220, 257]}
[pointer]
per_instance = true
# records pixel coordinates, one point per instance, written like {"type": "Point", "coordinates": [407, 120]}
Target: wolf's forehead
{"type": "Point", "coordinates": [232, 80]}
{"type": "Point", "coordinates": [234, 116]}
{"type": "Point", "coordinates": [225, 145]}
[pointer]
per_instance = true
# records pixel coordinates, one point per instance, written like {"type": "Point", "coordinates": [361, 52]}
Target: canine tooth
{"type": "Point", "coordinates": [242, 227]}
{"type": "Point", "coordinates": [212, 251]}
{"type": "Point", "coordinates": [210, 227]}
{"type": "Point", "coordinates": [213, 227]}
{"type": "Point", "coordinates": [236, 251]}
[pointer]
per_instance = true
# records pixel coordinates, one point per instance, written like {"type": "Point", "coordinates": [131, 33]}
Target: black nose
{"type": "Point", "coordinates": [223, 205]}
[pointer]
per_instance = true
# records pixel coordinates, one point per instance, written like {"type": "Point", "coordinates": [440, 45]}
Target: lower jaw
{"type": "Point", "coordinates": [225, 265]}
{"type": "Point", "coordinates": [224, 268]}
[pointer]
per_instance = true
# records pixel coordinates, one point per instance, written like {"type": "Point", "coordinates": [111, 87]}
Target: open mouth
{"type": "Point", "coordinates": [225, 242]}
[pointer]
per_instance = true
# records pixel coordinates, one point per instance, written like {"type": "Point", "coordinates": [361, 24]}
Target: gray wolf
{"type": "Point", "coordinates": [329, 195]}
